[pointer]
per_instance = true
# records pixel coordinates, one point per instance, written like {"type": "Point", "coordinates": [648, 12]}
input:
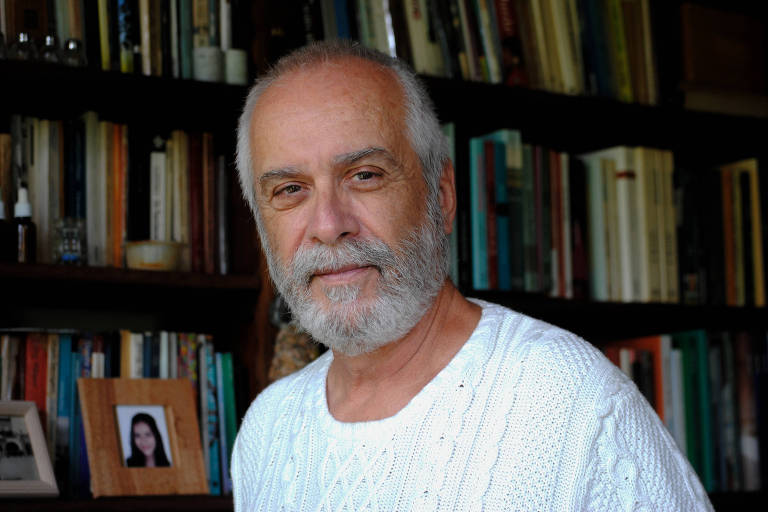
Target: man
{"type": "Point", "coordinates": [425, 400]}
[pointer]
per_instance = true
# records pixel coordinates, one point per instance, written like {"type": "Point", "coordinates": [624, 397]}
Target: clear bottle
{"type": "Point", "coordinates": [23, 48]}
{"type": "Point", "coordinates": [51, 52]}
{"type": "Point", "coordinates": [8, 250]}
{"type": "Point", "coordinates": [25, 229]}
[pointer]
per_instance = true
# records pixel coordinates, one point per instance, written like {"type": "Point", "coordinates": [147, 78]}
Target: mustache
{"type": "Point", "coordinates": [311, 260]}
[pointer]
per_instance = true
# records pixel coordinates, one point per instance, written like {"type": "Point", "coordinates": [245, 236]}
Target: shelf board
{"type": "Point", "coordinates": [584, 123]}
{"type": "Point", "coordinates": [59, 296]}
{"type": "Point", "coordinates": [51, 274]}
{"type": "Point", "coordinates": [604, 321]}
{"type": "Point", "coordinates": [55, 91]}
{"type": "Point", "coordinates": [126, 504]}
{"type": "Point", "coordinates": [563, 122]}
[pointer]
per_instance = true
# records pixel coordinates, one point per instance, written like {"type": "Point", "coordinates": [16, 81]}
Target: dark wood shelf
{"type": "Point", "coordinates": [603, 321]}
{"type": "Point", "coordinates": [564, 122]}
{"type": "Point", "coordinates": [132, 504]}
{"type": "Point", "coordinates": [55, 91]}
{"type": "Point", "coordinates": [58, 296]}
{"type": "Point", "coordinates": [578, 124]}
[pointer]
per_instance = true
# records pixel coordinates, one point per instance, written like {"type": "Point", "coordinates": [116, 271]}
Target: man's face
{"type": "Point", "coordinates": [342, 201]}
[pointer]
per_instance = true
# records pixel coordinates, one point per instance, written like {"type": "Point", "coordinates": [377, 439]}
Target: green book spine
{"type": "Point", "coordinates": [685, 342]}
{"type": "Point", "coordinates": [229, 401]}
{"type": "Point", "coordinates": [699, 339]}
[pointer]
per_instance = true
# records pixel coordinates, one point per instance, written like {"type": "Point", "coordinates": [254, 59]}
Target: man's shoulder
{"type": "Point", "coordinates": [535, 343]}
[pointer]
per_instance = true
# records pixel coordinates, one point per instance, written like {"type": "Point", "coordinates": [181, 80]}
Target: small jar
{"type": "Point", "coordinates": [23, 48]}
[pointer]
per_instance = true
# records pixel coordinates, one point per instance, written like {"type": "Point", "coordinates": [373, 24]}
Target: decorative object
{"type": "Point", "coordinates": [25, 465]}
{"type": "Point", "coordinates": [142, 437]}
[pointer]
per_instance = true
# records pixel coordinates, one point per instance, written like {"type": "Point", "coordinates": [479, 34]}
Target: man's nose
{"type": "Point", "coordinates": [332, 218]}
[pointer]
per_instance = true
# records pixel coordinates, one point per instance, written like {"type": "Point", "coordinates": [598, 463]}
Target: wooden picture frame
{"type": "Point", "coordinates": [45, 483]}
{"type": "Point", "coordinates": [100, 399]}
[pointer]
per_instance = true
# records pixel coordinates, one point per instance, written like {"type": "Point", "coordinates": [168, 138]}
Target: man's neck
{"type": "Point", "coordinates": [379, 384]}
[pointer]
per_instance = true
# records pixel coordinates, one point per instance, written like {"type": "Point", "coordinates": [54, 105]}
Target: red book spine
{"type": "Point", "coordinates": [36, 372]}
{"type": "Point", "coordinates": [490, 194]}
{"type": "Point", "coordinates": [196, 202]}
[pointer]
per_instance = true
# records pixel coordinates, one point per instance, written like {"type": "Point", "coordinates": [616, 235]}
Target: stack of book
{"type": "Point", "coordinates": [118, 184]}
{"type": "Point", "coordinates": [621, 224]}
{"type": "Point", "coordinates": [43, 367]}
{"type": "Point", "coordinates": [709, 389]}
{"type": "Point", "coordinates": [593, 47]}
{"type": "Point", "coordinates": [172, 38]}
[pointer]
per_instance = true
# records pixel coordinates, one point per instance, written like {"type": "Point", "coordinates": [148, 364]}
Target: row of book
{"type": "Point", "coordinates": [620, 224]}
{"type": "Point", "coordinates": [709, 389]}
{"type": "Point", "coordinates": [152, 37]}
{"type": "Point", "coordinates": [124, 183]}
{"type": "Point", "coordinates": [599, 47]}
{"type": "Point", "coordinates": [43, 367]}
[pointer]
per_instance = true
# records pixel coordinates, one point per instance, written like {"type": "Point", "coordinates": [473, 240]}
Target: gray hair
{"type": "Point", "coordinates": [423, 127]}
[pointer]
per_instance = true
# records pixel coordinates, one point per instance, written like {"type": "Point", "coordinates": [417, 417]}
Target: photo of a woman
{"type": "Point", "coordinates": [147, 450]}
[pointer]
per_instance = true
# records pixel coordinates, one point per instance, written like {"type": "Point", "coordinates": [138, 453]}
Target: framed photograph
{"type": "Point", "coordinates": [25, 465]}
{"type": "Point", "coordinates": [142, 437]}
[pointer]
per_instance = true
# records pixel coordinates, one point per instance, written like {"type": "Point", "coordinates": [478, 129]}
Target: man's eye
{"type": "Point", "coordinates": [365, 175]}
{"type": "Point", "coordinates": [288, 190]}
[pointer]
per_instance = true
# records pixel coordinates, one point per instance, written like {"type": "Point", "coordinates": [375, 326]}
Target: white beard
{"type": "Point", "coordinates": [410, 276]}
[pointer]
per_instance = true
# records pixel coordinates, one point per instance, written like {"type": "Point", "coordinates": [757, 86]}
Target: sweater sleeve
{"type": "Point", "coordinates": [635, 464]}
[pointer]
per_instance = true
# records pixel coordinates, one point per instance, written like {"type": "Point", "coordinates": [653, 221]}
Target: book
{"type": "Point", "coordinates": [744, 373]}
{"type": "Point", "coordinates": [478, 208]}
{"type": "Point", "coordinates": [35, 372]}
{"type": "Point", "coordinates": [226, 480]}
{"type": "Point", "coordinates": [660, 349]}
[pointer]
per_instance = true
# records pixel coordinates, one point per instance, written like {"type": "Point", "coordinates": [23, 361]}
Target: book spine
{"type": "Point", "coordinates": [35, 369]}
{"type": "Point", "coordinates": [186, 28]}
{"type": "Point", "coordinates": [212, 420]}
{"type": "Point", "coordinates": [478, 215]}
{"type": "Point", "coordinates": [491, 217]}
{"type": "Point", "coordinates": [226, 480]}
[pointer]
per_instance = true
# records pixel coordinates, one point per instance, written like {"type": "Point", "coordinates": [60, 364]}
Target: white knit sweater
{"type": "Point", "coordinates": [525, 417]}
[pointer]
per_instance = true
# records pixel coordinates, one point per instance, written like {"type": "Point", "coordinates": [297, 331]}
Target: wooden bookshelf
{"type": "Point", "coordinates": [234, 307]}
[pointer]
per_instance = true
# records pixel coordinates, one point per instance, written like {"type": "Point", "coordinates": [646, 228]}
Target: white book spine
{"type": "Point", "coordinates": [225, 24]}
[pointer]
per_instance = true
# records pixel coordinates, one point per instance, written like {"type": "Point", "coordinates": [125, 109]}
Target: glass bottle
{"type": "Point", "coordinates": [74, 53]}
{"type": "Point", "coordinates": [23, 48]}
{"type": "Point", "coordinates": [51, 52]}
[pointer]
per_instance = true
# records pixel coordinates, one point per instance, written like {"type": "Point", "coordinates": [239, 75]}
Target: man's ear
{"type": "Point", "coordinates": [447, 196]}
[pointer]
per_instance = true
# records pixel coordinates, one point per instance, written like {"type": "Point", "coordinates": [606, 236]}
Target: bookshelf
{"type": "Point", "coordinates": [234, 307]}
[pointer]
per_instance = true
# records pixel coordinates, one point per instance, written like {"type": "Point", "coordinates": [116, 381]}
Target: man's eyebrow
{"type": "Point", "coordinates": [277, 174]}
{"type": "Point", "coordinates": [355, 156]}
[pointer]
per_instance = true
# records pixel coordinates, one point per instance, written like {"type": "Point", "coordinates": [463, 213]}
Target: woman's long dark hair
{"type": "Point", "coordinates": [137, 458]}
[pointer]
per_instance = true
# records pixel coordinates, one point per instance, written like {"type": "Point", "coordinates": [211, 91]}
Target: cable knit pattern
{"type": "Point", "coordinates": [525, 417]}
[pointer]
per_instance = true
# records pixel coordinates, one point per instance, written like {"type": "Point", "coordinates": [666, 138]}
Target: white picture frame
{"type": "Point", "coordinates": [45, 483]}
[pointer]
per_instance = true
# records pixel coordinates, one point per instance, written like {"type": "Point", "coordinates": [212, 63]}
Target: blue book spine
{"type": "Point", "coordinates": [64, 410]}
{"type": "Point", "coordinates": [146, 364]}
{"type": "Point", "coordinates": [213, 422]}
{"type": "Point", "coordinates": [342, 19]}
{"type": "Point", "coordinates": [478, 214]}
{"type": "Point", "coordinates": [185, 38]}
{"type": "Point", "coordinates": [502, 216]}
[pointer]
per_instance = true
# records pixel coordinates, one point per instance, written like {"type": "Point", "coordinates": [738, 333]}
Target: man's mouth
{"type": "Point", "coordinates": [341, 274]}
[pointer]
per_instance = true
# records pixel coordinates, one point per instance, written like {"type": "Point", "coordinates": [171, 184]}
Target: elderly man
{"type": "Point", "coordinates": [426, 400]}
